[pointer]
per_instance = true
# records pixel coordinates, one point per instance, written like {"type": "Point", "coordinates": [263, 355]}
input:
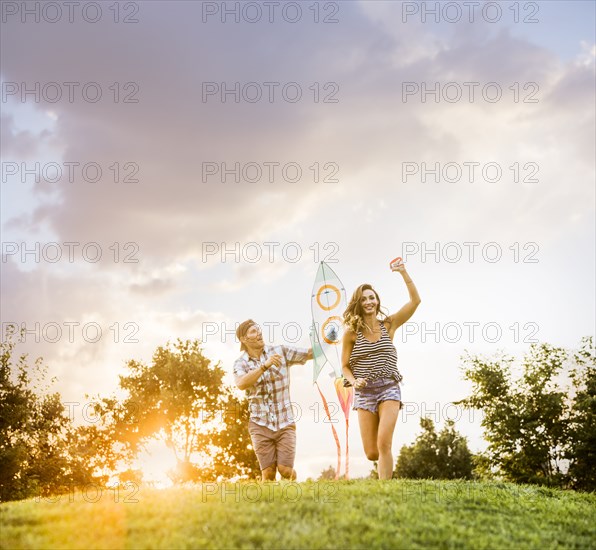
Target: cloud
{"type": "Point", "coordinates": [363, 218]}
{"type": "Point", "coordinates": [170, 132]}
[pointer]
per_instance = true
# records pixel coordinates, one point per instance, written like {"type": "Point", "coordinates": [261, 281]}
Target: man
{"type": "Point", "coordinates": [263, 372]}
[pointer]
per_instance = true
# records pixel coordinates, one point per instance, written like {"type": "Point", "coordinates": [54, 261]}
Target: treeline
{"type": "Point", "coordinates": [179, 398]}
{"type": "Point", "coordinates": [540, 425]}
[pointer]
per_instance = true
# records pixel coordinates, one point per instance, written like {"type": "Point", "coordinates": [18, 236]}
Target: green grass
{"type": "Point", "coordinates": [346, 514]}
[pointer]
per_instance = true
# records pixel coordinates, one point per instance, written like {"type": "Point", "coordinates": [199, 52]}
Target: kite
{"type": "Point", "coordinates": [328, 304]}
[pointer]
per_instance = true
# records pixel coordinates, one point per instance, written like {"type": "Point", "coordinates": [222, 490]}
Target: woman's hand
{"type": "Point", "coordinates": [359, 383]}
{"type": "Point", "coordinates": [400, 267]}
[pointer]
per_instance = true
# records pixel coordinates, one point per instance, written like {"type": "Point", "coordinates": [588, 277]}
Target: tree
{"type": "Point", "coordinates": [531, 425]}
{"type": "Point", "coordinates": [234, 454]}
{"type": "Point", "coordinates": [327, 473]}
{"type": "Point", "coordinates": [435, 456]}
{"type": "Point", "coordinates": [98, 446]}
{"type": "Point", "coordinates": [37, 455]}
{"type": "Point", "coordinates": [581, 450]}
{"type": "Point", "coordinates": [181, 399]}
{"type": "Point", "coordinates": [170, 397]}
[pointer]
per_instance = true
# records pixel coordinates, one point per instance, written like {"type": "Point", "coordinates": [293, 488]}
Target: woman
{"type": "Point", "coordinates": [369, 362]}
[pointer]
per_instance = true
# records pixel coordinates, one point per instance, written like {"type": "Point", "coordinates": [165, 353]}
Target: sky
{"type": "Point", "coordinates": [170, 169]}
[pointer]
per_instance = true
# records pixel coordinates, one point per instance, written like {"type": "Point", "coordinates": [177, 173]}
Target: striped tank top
{"type": "Point", "coordinates": [372, 360]}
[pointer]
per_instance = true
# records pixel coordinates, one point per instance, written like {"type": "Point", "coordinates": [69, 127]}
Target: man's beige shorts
{"type": "Point", "coordinates": [273, 448]}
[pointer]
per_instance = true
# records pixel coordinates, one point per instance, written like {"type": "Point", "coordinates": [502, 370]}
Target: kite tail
{"type": "Point", "coordinates": [334, 432]}
{"type": "Point", "coordinates": [347, 451]}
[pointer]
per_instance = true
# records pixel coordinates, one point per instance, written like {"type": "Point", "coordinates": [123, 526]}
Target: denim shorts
{"type": "Point", "coordinates": [375, 392]}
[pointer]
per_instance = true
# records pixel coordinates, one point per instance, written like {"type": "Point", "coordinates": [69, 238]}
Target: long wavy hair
{"type": "Point", "coordinates": [354, 313]}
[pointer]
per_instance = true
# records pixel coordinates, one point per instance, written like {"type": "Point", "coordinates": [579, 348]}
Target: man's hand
{"type": "Point", "coordinates": [273, 360]}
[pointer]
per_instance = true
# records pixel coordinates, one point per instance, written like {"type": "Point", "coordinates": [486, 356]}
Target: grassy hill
{"type": "Point", "coordinates": [346, 514]}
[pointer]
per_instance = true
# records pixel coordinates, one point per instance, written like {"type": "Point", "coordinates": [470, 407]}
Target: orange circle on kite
{"type": "Point", "coordinates": [334, 318]}
{"type": "Point", "coordinates": [337, 297]}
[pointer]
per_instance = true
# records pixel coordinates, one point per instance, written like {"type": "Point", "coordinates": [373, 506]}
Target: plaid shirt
{"type": "Point", "coordinates": [269, 398]}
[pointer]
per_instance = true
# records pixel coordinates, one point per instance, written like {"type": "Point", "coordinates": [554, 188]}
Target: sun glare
{"type": "Point", "coordinates": [155, 463]}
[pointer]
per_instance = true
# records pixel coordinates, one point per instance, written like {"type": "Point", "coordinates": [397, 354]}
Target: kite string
{"type": "Point", "coordinates": [326, 407]}
{"type": "Point", "coordinates": [347, 450]}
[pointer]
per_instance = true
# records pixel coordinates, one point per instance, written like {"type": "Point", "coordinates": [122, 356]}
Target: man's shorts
{"type": "Point", "coordinates": [375, 392]}
{"type": "Point", "coordinates": [273, 448]}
